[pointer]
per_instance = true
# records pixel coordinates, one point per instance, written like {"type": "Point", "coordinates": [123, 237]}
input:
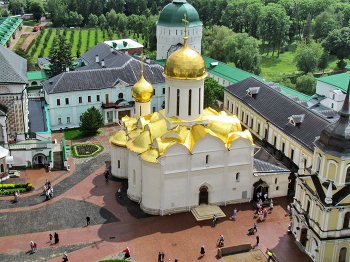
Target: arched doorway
{"type": "Point", "coordinates": [203, 195]}
{"type": "Point", "coordinates": [260, 187]}
{"type": "Point", "coordinates": [39, 160]}
{"type": "Point", "coordinates": [342, 255]}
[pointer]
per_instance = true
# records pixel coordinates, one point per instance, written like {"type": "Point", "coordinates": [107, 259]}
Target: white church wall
{"type": "Point", "coordinates": [151, 188]}
{"type": "Point", "coordinates": [175, 158]}
{"type": "Point", "coordinates": [134, 176]}
{"type": "Point", "coordinates": [238, 184]}
{"type": "Point", "coordinates": [119, 158]}
{"type": "Point", "coordinates": [176, 197]}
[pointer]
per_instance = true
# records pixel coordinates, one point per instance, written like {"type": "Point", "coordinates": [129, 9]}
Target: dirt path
{"type": "Point", "coordinates": [28, 39]}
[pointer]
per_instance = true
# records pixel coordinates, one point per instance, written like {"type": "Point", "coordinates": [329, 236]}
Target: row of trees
{"type": "Point", "coordinates": [36, 7]}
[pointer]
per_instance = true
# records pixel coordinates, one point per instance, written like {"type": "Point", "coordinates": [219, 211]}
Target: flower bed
{"type": "Point", "coordinates": [86, 150]}
{"type": "Point", "coordinates": [8, 189]}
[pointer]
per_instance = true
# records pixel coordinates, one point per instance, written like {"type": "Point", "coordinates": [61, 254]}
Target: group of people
{"type": "Point", "coordinates": [48, 190]}
{"type": "Point", "coordinates": [215, 220]}
{"type": "Point", "coordinates": [33, 246]}
{"type": "Point", "coordinates": [261, 197]}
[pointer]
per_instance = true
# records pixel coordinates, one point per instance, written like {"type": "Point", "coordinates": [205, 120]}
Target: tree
{"type": "Point", "coordinates": [16, 6]}
{"type": "Point", "coordinates": [323, 61]}
{"type": "Point", "coordinates": [3, 12]}
{"type": "Point", "coordinates": [117, 5]}
{"type": "Point", "coordinates": [103, 22]}
{"type": "Point", "coordinates": [74, 19]}
{"type": "Point", "coordinates": [212, 93]}
{"type": "Point", "coordinates": [37, 8]}
{"type": "Point", "coordinates": [306, 84]}
{"type": "Point", "coordinates": [58, 10]}
{"type": "Point", "coordinates": [93, 20]}
{"type": "Point", "coordinates": [243, 50]}
{"type": "Point", "coordinates": [23, 53]}
{"type": "Point", "coordinates": [214, 40]}
{"type": "Point", "coordinates": [338, 43]}
{"type": "Point", "coordinates": [90, 121]}
{"type": "Point", "coordinates": [60, 56]}
{"type": "Point", "coordinates": [273, 26]}
{"type": "Point", "coordinates": [325, 23]}
{"type": "Point", "coordinates": [307, 56]}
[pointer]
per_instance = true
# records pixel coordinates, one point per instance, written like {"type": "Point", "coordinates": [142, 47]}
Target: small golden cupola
{"type": "Point", "coordinates": [185, 63]}
{"type": "Point", "coordinates": [142, 91]}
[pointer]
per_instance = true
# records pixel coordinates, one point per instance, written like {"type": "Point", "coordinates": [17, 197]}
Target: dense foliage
{"type": "Point", "coordinates": [90, 121]}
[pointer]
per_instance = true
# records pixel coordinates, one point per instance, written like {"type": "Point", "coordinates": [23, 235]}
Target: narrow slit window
{"type": "Point", "coordinates": [177, 102]}
{"type": "Point", "coordinates": [189, 101]}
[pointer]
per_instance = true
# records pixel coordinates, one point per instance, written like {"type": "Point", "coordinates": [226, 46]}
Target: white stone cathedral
{"type": "Point", "coordinates": [183, 155]}
{"type": "Point", "coordinates": [170, 30]}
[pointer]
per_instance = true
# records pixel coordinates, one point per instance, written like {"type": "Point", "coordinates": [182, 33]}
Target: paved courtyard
{"type": "Point", "coordinates": [117, 223]}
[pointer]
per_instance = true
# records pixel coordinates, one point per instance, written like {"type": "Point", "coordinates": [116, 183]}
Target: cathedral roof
{"type": "Point", "coordinates": [173, 13]}
{"type": "Point", "coordinates": [150, 135]}
{"type": "Point", "coordinates": [336, 136]}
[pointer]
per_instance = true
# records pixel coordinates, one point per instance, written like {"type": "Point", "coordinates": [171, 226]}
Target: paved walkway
{"type": "Point", "coordinates": [118, 222]}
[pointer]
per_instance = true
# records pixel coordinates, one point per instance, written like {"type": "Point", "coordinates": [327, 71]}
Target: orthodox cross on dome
{"type": "Point", "coordinates": [142, 59]}
{"type": "Point", "coordinates": [185, 22]}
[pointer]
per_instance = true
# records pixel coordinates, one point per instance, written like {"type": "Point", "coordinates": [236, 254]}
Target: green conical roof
{"type": "Point", "coordinates": [173, 13]}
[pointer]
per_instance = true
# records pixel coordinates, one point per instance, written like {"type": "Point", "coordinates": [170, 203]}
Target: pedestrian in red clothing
{"type": "Point", "coordinates": [127, 252]}
{"type": "Point", "coordinates": [257, 240]}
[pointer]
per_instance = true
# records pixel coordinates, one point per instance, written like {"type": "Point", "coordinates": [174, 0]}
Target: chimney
{"type": "Point", "coordinates": [97, 59]}
{"type": "Point", "coordinates": [67, 69]}
{"type": "Point", "coordinates": [126, 52]}
{"type": "Point", "coordinates": [103, 63]}
{"type": "Point", "coordinates": [148, 60]}
{"type": "Point", "coordinates": [111, 49]}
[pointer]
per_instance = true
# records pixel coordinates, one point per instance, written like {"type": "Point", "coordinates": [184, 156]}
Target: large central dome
{"type": "Point", "coordinates": [173, 13]}
{"type": "Point", "coordinates": [186, 64]}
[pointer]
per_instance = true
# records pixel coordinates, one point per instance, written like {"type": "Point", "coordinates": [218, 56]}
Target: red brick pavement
{"type": "Point", "coordinates": [178, 236]}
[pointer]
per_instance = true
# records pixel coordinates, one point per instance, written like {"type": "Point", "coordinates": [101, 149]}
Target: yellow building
{"type": "Point", "coordinates": [321, 209]}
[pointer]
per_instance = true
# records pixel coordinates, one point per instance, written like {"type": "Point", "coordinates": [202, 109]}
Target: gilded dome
{"type": "Point", "coordinates": [185, 63]}
{"type": "Point", "coordinates": [142, 91]}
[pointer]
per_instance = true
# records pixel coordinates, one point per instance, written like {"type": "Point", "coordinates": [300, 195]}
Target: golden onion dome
{"type": "Point", "coordinates": [185, 63]}
{"type": "Point", "coordinates": [142, 91]}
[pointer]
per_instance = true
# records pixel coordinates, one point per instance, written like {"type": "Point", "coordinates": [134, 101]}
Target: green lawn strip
{"type": "Point", "coordinates": [28, 29]}
{"type": "Point", "coordinates": [84, 39]}
{"type": "Point", "coordinates": [40, 46]}
{"type": "Point", "coordinates": [68, 36]}
{"type": "Point", "coordinates": [100, 35]}
{"type": "Point", "coordinates": [19, 42]}
{"type": "Point", "coordinates": [75, 154]}
{"type": "Point", "coordinates": [75, 42]}
{"type": "Point", "coordinates": [50, 43]}
{"type": "Point", "coordinates": [92, 38]}
{"type": "Point", "coordinates": [30, 23]}
{"type": "Point", "coordinates": [72, 134]}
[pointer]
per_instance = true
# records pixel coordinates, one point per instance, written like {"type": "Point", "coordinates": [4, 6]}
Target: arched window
{"type": "Point", "coordinates": [120, 95]}
{"type": "Point", "coordinates": [2, 168]}
{"type": "Point", "coordinates": [34, 83]}
{"type": "Point", "coordinates": [275, 181]}
{"type": "Point", "coordinates": [118, 163]}
{"type": "Point", "coordinates": [347, 179]}
{"type": "Point", "coordinates": [342, 254]}
{"type": "Point", "coordinates": [318, 163]}
{"type": "Point", "coordinates": [237, 177]}
{"type": "Point", "coordinates": [346, 220]}
{"type": "Point", "coordinates": [207, 159]}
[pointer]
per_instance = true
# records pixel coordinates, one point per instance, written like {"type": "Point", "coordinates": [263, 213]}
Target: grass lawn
{"type": "Point", "coordinates": [19, 42]}
{"type": "Point", "coordinates": [72, 134]}
{"type": "Point", "coordinates": [75, 42]}
{"type": "Point", "coordinates": [30, 23]}
{"type": "Point", "coordinates": [28, 29]}
{"type": "Point", "coordinates": [49, 43]}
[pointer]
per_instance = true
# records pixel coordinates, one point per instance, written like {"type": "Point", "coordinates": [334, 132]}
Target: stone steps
{"type": "Point", "coordinates": [205, 212]}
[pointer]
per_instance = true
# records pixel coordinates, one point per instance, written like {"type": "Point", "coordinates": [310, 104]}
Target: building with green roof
{"type": "Point", "coordinates": [35, 79]}
{"type": "Point", "coordinates": [8, 29]}
{"type": "Point", "coordinates": [333, 88]}
{"type": "Point", "coordinates": [170, 28]}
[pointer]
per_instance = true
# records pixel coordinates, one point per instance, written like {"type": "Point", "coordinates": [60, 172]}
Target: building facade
{"type": "Point", "coordinates": [321, 209]}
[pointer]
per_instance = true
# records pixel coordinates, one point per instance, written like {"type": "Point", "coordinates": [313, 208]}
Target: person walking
{"type": "Point", "coordinates": [257, 240]}
{"type": "Point", "coordinates": [35, 247]}
{"type": "Point", "coordinates": [159, 257]}
{"type": "Point", "coordinates": [255, 227]}
{"type": "Point", "coordinates": [65, 257]}
{"type": "Point", "coordinates": [31, 246]}
{"type": "Point", "coordinates": [127, 252]}
{"type": "Point", "coordinates": [87, 220]}
{"type": "Point", "coordinates": [119, 193]}
{"type": "Point", "coordinates": [202, 251]}
{"type": "Point", "coordinates": [269, 254]}
{"type": "Point", "coordinates": [50, 236]}
{"type": "Point", "coordinates": [215, 220]}
{"type": "Point", "coordinates": [56, 238]}
{"type": "Point", "coordinates": [163, 255]}
{"type": "Point", "coordinates": [106, 175]}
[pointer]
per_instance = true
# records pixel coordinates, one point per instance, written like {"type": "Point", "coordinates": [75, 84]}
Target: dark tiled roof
{"type": "Point", "coordinates": [13, 68]}
{"type": "Point", "coordinates": [277, 108]}
{"type": "Point", "coordinates": [101, 49]}
{"type": "Point", "coordinates": [37, 118]}
{"type": "Point", "coordinates": [103, 78]}
{"type": "Point", "coordinates": [266, 163]}
{"type": "Point", "coordinates": [115, 59]}
{"type": "Point", "coordinates": [43, 61]}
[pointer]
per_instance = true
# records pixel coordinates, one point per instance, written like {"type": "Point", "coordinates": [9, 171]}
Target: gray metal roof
{"type": "Point", "coordinates": [43, 61]}
{"type": "Point", "coordinates": [266, 163]}
{"type": "Point", "coordinates": [37, 117]}
{"type": "Point", "coordinates": [103, 78]}
{"type": "Point", "coordinates": [13, 68]}
{"type": "Point", "coordinates": [277, 108]}
{"type": "Point", "coordinates": [101, 49]}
